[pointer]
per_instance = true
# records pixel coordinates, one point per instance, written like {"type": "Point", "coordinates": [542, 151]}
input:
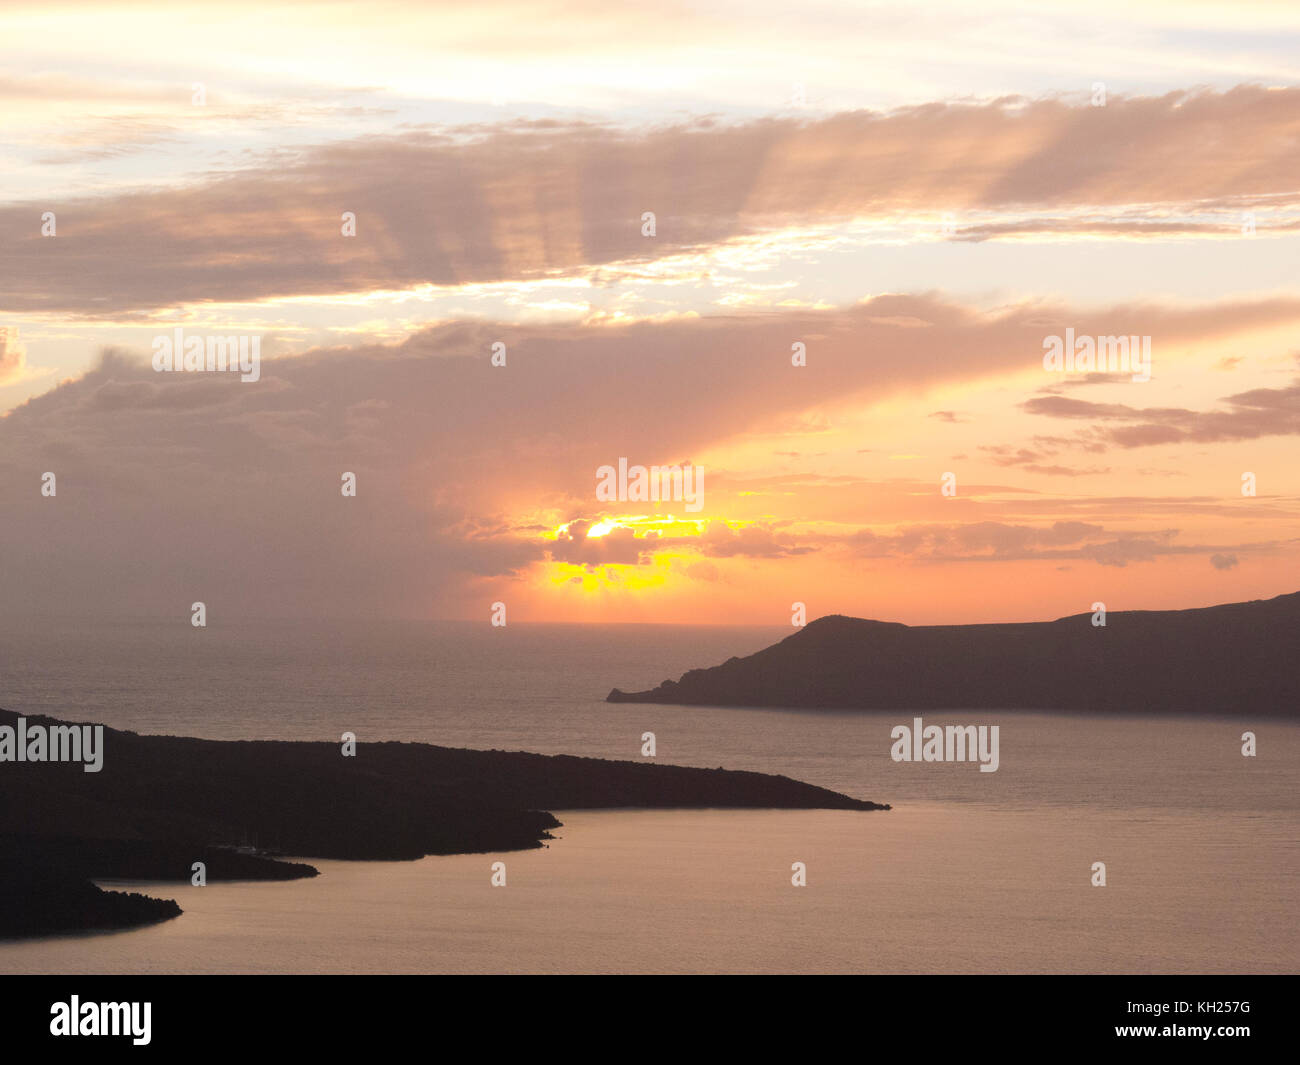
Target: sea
{"type": "Point", "coordinates": [969, 872]}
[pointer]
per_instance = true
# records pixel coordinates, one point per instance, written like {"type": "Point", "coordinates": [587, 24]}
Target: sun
{"type": "Point", "coordinates": [605, 525]}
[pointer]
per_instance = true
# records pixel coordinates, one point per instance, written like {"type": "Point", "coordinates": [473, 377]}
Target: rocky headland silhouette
{"type": "Point", "coordinates": [1236, 659]}
{"type": "Point", "coordinates": [161, 803]}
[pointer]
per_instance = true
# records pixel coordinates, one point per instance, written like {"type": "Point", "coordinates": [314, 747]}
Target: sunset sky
{"type": "Point", "coordinates": [920, 199]}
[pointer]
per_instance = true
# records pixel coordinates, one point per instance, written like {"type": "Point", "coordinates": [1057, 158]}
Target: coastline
{"type": "Point", "coordinates": [163, 803]}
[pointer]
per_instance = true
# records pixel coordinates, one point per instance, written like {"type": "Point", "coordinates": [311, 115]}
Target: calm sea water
{"type": "Point", "coordinates": [970, 872]}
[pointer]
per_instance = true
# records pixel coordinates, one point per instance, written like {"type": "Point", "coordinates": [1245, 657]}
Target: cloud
{"type": "Point", "coordinates": [617, 546]}
{"type": "Point", "coordinates": [992, 541]}
{"type": "Point", "coordinates": [702, 571]}
{"type": "Point", "coordinates": [174, 488]}
{"type": "Point", "coordinates": [754, 541]}
{"type": "Point", "coordinates": [1223, 561]}
{"type": "Point", "coordinates": [1250, 415]}
{"type": "Point", "coordinates": [13, 356]}
{"type": "Point", "coordinates": [527, 200]}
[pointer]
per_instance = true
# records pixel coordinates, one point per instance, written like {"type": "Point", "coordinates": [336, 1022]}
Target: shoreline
{"type": "Point", "coordinates": [163, 803]}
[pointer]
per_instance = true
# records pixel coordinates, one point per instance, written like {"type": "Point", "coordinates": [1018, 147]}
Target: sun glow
{"type": "Point", "coordinates": [605, 525]}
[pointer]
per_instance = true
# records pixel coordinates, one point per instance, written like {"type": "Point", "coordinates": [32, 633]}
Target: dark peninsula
{"type": "Point", "coordinates": [161, 803]}
{"type": "Point", "coordinates": [1237, 659]}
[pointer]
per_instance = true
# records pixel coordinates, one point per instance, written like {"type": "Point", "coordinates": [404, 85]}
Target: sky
{"type": "Point", "coordinates": [817, 252]}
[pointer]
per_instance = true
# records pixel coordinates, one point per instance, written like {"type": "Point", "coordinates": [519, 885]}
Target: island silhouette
{"type": "Point", "coordinates": [1235, 659]}
{"type": "Point", "coordinates": [162, 803]}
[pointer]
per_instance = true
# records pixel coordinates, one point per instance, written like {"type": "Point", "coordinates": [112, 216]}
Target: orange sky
{"type": "Point", "coordinates": [920, 232]}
